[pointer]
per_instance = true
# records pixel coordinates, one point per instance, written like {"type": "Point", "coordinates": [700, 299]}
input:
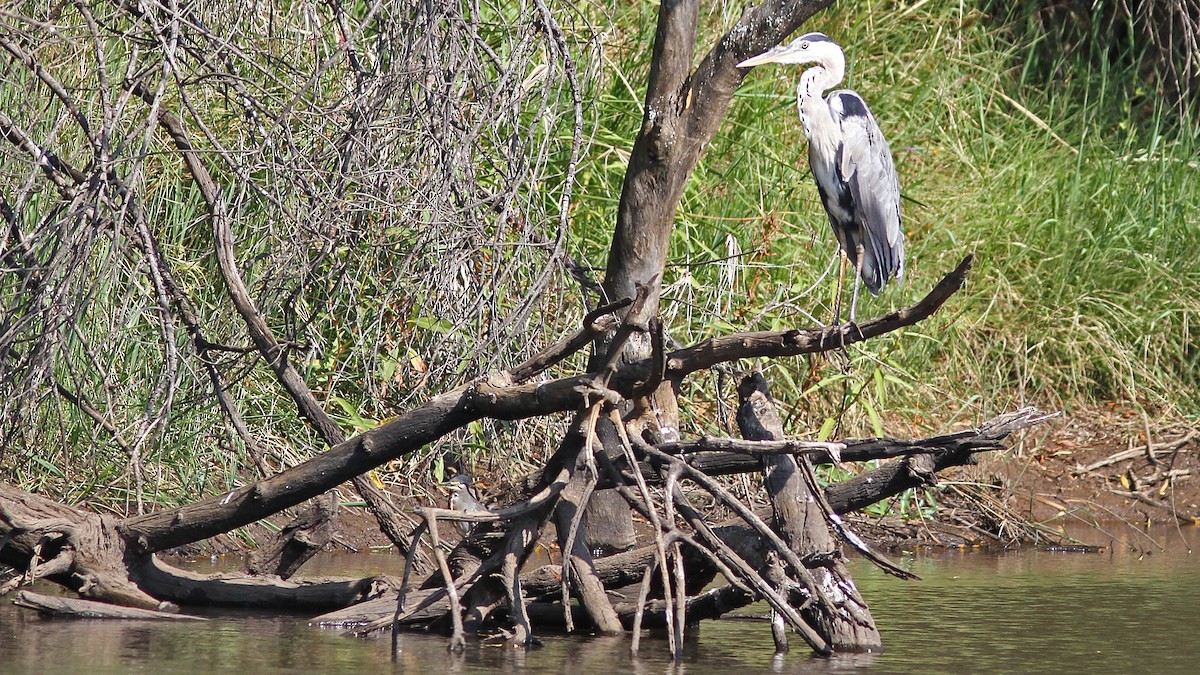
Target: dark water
{"type": "Point", "coordinates": [1022, 611]}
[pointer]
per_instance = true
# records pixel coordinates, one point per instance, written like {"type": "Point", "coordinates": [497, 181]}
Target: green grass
{"type": "Point", "coordinates": [1082, 211]}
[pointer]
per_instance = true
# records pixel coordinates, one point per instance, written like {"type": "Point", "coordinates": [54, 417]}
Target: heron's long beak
{"type": "Point", "coordinates": [769, 56]}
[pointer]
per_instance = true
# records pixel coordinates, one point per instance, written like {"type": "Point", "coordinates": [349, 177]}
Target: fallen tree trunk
{"type": "Point", "coordinates": [625, 569]}
{"type": "Point", "coordinates": [237, 590]}
{"type": "Point", "coordinates": [35, 528]}
{"type": "Point", "coordinates": [89, 609]}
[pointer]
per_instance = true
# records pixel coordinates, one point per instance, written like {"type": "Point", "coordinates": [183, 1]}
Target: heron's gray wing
{"type": "Point", "coordinates": [865, 164]}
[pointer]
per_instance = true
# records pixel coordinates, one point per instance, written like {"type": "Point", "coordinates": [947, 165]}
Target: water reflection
{"type": "Point", "coordinates": [1023, 611]}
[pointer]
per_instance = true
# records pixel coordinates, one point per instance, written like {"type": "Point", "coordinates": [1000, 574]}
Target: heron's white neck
{"type": "Point", "coordinates": [823, 76]}
{"type": "Point", "coordinates": [810, 99]}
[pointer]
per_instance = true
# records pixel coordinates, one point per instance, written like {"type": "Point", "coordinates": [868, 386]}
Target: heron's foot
{"type": "Point", "coordinates": [833, 337]}
{"type": "Point", "coordinates": [852, 329]}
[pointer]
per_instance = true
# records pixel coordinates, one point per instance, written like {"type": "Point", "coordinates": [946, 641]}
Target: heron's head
{"type": "Point", "coordinates": [460, 482]}
{"type": "Point", "coordinates": [808, 48]}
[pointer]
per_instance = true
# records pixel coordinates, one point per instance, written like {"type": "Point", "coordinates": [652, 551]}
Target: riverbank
{"type": "Point", "coordinates": [1104, 464]}
{"type": "Point", "coordinates": [1108, 467]}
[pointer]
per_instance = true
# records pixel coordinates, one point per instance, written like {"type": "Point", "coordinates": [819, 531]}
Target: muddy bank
{"type": "Point", "coordinates": [1105, 467]}
{"type": "Point", "coordinates": [1103, 464]}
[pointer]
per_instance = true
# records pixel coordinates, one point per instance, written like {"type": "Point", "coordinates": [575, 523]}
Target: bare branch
{"type": "Point", "coordinates": [777, 344]}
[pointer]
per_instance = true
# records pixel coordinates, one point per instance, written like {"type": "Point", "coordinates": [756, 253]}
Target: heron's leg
{"type": "Point", "coordinates": [858, 265]}
{"type": "Point", "coordinates": [837, 300]}
{"type": "Point", "coordinates": [827, 331]}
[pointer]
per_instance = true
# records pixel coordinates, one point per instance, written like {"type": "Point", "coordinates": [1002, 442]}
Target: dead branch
{"type": "Point", "coordinates": [776, 344]}
{"type": "Point", "coordinates": [1149, 451]}
{"type": "Point", "coordinates": [720, 456]}
{"type": "Point", "coordinates": [487, 397]}
{"type": "Point", "coordinates": [167, 582]}
{"type": "Point", "coordinates": [921, 470]}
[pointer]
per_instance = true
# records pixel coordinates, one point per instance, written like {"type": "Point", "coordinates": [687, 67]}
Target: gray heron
{"type": "Point", "coordinates": [850, 162]}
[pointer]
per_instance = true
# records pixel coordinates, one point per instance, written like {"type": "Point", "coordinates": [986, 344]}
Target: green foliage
{"type": "Point", "coordinates": [1158, 40]}
{"type": "Point", "coordinates": [393, 180]}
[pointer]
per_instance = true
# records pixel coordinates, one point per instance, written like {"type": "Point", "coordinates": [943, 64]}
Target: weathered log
{"type": "Point", "coordinates": [76, 608]}
{"type": "Point", "coordinates": [377, 609]}
{"type": "Point", "coordinates": [921, 470]}
{"type": "Point", "coordinates": [580, 567]}
{"type": "Point", "coordinates": [711, 604]}
{"type": "Point", "coordinates": [82, 550]}
{"type": "Point", "coordinates": [297, 541]}
{"type": "Point", "coordinates": [235, 590]}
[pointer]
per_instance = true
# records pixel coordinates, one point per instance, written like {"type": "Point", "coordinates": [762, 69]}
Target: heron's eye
{"type": "Point", "coordinates": [804, 45]}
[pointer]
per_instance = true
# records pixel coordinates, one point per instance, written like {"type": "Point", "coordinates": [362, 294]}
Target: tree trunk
{"type": "Point", "coordinates": [683, 111]}
{"type": "Point", "coordinates": [799, 520]}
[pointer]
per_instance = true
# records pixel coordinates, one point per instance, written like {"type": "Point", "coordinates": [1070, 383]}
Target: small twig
{"type": "Point", "coordinates": [746, 514]}
{"type": "Point", "coordinates": [643, 593]}
{"type": "Point", "coordinates": [679, 592]}
{"type": "Point", "coordinates": [749, 575]}
{"type": "Point", "coordinates": [660, 547]}
{"type": "Point", "coordinates": [457, 642]}
{"type": "Point", "coordinates": [680, 609]}
{"type": "Point", "coordinates": [1150, 450]}
{"type": "Point", "coordinates": [408, 568]}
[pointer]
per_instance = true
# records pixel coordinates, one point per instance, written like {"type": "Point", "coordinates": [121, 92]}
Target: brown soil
{"type": "Point", "coordinates": [1104, 467]}
{"type": "Point", "coordinates": [1104, 464]}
